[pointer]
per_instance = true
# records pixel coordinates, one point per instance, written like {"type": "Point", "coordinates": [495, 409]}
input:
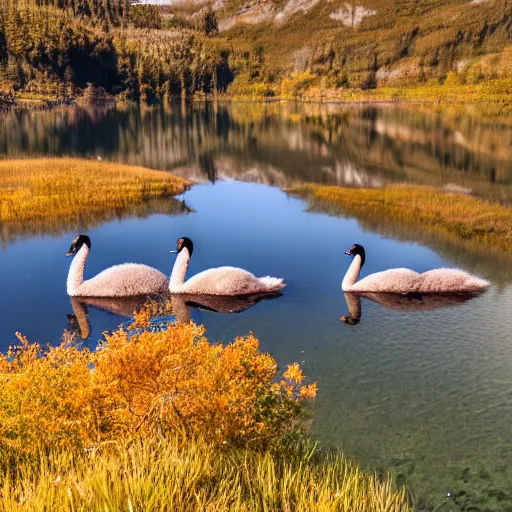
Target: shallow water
{"type": "Point", "coordinates": [423, 392]}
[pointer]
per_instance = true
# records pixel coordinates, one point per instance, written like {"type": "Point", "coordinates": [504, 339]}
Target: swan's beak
{"type": "Point", "coordinates": [347, 253]}
{"type": "Point", "coordinates": [173, 251]}
{"type": "Point", "coordinates": [68, 254]}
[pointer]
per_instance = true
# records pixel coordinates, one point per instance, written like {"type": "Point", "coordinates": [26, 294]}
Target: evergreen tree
{"type": "Point", "coordinates": [210, 26]}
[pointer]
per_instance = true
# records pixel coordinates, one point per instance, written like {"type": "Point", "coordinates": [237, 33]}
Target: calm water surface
{"type": "Point", "coordinates": [423, 390]}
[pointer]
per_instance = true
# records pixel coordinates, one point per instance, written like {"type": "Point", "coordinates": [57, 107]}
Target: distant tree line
{"type": "Point", "coordinates": [59, 47]}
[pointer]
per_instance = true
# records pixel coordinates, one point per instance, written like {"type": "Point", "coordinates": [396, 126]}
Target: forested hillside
{"type": "Point", "coordinates": [253, 47]}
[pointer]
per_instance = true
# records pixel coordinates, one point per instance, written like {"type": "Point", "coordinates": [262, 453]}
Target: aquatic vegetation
{"type": "Point", "coordinates": [474, 222]}
{"type": "Point", "coordinates": [43, 195]}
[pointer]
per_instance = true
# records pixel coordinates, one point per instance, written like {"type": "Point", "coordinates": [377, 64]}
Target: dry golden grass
{"type": "Point", "coordinates": [38, 194]}
{"type": "Point", "coordinates": [190, 476]}
{"type": "Point", "coordinates": [475, 222]}
{"type": "Point", "coordinates": [61, 187]}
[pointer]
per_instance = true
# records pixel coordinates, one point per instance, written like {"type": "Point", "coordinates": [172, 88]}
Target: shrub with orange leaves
{"type": "Point", "coordinates": [140, 383]}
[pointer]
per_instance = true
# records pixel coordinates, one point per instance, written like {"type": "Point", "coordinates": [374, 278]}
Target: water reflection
{"type": "Point", "coordinates": [408, 303]}
{"type": "Point", "coordinates": [125, 307]}
{"type": "Point", "coordinates": [182, 303]}
{"type": "Point", "coordinates": [493, 264]}
{"type": "Point", "coordinates": [170, 307]}
{"type": "Point", "coordinates": [279, 144]}
{"type": "Point", "coordinates": [10, 231]}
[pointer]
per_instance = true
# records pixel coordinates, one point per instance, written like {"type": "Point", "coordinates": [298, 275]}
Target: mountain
{"type": "Point", "coordinates": [256, 47]}
{"type": "Point", "coordinates": [375, 42]}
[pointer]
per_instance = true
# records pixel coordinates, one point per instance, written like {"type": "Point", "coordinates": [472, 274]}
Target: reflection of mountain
{"type": "Point", "coordinates": [55, 226]}
{"type": "Point", "coordinates": [404, 303]}
{"type": "Point", "coordinates": [278, 144]}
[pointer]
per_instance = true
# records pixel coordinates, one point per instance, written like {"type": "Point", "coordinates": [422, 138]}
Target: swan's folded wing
{"type": "Point", "coordinates": [223, 281]}
{"type": "Point", "coordinates": [125, 280]}
{"type": "Point", "coordinates": [445, 280]}
{"type": "Point", "coordinates": [395, 280]}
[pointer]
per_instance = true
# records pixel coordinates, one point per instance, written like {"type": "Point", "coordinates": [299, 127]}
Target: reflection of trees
{"type": "Point", "coordinates": [207, 166]}
{"type": "Point", "coordinates": [279, 144]}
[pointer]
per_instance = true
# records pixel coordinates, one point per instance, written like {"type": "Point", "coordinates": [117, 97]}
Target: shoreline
{"type": "Point", "coordinates": [467, 220]}
{"type": "Point", "coordinates": [436, 95]}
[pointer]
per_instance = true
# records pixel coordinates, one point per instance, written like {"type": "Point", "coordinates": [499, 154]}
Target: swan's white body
{"type": "Point", "coordinates": [219, 281]}
{"type": "Point", "coordinates": [126, 280]}
{"type": "Point", "coordinates": [404, 280]}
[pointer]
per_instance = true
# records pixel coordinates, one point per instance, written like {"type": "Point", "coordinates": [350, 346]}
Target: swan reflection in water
{"type": "Point", "coordinates": [180, 306]}
{"type": "Point", "coordinates": [402, 302]}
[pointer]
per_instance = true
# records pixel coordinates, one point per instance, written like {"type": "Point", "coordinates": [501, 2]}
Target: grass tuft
{"type": "Point", "coordinates": [193, 475]}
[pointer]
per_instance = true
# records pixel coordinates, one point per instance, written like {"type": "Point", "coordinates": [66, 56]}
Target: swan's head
{"type": "Point", "coordinates": [355, 250]}
{"type": "Point", "coordinates": [350, 320]}
{"type": "Point", "coordinates": [77, 244]}
{"type": "Point", "coordinates": [184, 243]}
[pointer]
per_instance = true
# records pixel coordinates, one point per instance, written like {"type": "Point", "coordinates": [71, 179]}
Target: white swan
{"type": "Point", "coordinates": [126, 280]}
{"type": "Point", "coordinates": [404, 280]}
{"type": "Point", "coordinates": [217, 281]}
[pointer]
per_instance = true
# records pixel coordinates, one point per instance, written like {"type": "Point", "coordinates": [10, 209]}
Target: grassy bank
{"type": "Point", "coordinates": [312, 87]}
{"type": "Point", "coordinates": [165, 420]}
{"type": "Point", "coordinates": [39, 195]}
{"type": "Point", "coordinates": [195, 476]}
{"type": "Point", "coordinates": [473, 222]}
{"type": "Point", "coordinates": [445, 94]}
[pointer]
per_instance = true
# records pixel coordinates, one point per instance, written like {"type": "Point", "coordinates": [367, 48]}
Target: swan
{"type": "Point", "coordinates": [404, 280]}
{"type": "Point", "coordinates": [126, 280]}
{"type": "Point", "coordinates": [217, 281]}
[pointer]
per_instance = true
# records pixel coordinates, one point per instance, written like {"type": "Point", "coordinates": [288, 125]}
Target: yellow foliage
{"type": "Point", "coordinates": [297, 83]}
{"type": "Point", "coordinates": [140, 383]}
{"type": "Point", "coordinates": [62, 187]}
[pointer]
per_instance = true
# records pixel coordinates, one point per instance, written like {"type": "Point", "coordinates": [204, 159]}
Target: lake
{"type": "Point", "coordinates": [423, 390]}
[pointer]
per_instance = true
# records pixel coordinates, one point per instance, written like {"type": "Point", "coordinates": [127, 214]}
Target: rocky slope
{"type": "Point", "coordinates": [397, 42]}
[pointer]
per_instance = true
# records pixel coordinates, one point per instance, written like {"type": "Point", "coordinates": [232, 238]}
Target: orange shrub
{"type": "Point", "coordinates": [141, 383]}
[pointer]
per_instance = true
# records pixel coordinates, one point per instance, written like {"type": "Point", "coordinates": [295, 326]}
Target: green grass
{"type": "Point", "coordinates": [192, 475]}
{"type": "Point", "coordinates": [472, 222]}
